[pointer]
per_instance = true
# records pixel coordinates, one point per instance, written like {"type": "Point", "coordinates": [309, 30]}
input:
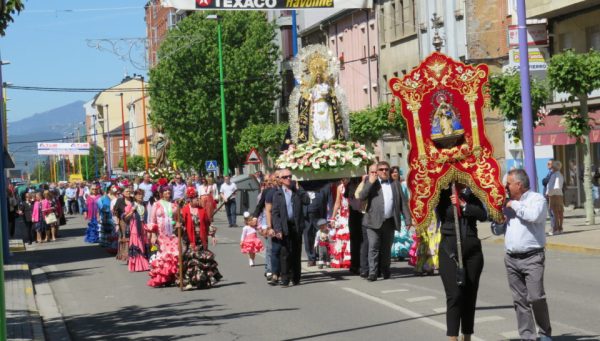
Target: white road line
{"type": "Point", "coordinates": [511, 335]}
{"type": "Point", "coordinates": [420, 299]}
{"type": "Point", "coordinates": [402, 310]}
{"type": "Point", "coordinates": [393, 291]}
{"type": "Point", "coordinates": [440, 310]}
{"type": "Point", "coordinates": [489, 319]}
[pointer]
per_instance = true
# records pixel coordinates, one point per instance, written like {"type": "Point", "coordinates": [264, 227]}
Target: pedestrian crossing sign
{"type": "Point", "coordinates": [253, 157]}
{"type": "Point", "coordinates": [211, 165]}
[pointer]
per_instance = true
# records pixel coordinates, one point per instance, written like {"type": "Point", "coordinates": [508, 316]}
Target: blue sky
{"type": "Point", "coordinates": [46, 46]}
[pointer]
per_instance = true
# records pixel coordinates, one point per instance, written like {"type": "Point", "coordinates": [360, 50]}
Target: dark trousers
{"type": "Point", "coordinates": [364, 251]}
{"type": "Point", "coordinates": [356, 236]}
{"type": "Point", "coordinates": [380, 248]}
{"type": "Point", "coordinates": [28, 231]}
{"type": "Point", "coordinates": [460, 301]}
{"type": "Point", "coordinates": [309, 236]}
{"type": "Point", "coordinates": [230, 207]}
{"type": "Point", "coordinates": [72, 206]}
{"type": "Point", "coordinates": [286, 256]}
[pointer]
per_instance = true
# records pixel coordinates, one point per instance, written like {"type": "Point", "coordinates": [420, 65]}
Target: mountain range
{"type": "Point", "coordinates": [50, 125]}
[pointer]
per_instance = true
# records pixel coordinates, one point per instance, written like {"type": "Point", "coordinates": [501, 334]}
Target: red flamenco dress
{"type": "Point", "coordinates": [164, 265]}
{"type": "Point", "coordinates": [137, 237]}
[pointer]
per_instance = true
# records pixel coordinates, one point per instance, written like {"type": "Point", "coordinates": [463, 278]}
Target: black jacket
{"type": "Point", "coordinates": [279, 212]}
{"type": "Point", "coordinates": [472, 212]}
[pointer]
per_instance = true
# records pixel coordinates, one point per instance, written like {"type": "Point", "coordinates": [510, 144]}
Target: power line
{"type": "Point", "coordinates": [67, 138]}
{"type": "Point", "coordinates": [115, 90]}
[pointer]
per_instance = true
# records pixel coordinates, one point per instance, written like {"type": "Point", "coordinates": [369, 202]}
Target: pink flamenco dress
{"type": "Point", "coordinates": [137, 238]}
{"type": "Point", "coordinates": [341, 241]}
{"type": "Point", "coordinates": [164, 264]}
{"type": "Point", "coordinates": [250, 242]}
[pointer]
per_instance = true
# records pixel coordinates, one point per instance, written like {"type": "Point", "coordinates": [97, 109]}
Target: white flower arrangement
{"type": "Point", "coordinates": [162, 172]}
{"type": "Point", "coordinates": [325, 156]}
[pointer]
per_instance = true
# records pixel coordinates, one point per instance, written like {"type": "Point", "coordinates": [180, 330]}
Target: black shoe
{"type": "Point", "coordinates": [294, 283]}
{"type": "Point", "coordinates": [371, 278]}
{"type": "Point", "coordinates": [311, 263]}
{"type": "Point", "coordinates": [386, 276]}
{"type": "Point", "coordinates": [285, 284]}
{"type": "Point", "coordinates": [364, 274]}
{"type": "Point", "coordinates": [354, 270]}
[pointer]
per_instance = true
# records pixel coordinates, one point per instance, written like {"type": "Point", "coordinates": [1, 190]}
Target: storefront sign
{"type": "Point", "coordinates": [537, 59]}
{"type": "Point", "coordinates": [537, 34]}
{"type": "Point", "coordinates": [45, 148]}
{"type": "Point", "coordinates": [193, 5]}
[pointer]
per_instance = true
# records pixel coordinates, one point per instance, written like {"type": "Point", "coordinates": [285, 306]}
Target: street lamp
{"type": "Point", "coordinates": [222, 86]}
{"type": "Point", "coordinates": [95, 147]}
{"type": "Point", "coordinates": [123, 134]}
{"type": "Point", "coordinates": [146, 153]}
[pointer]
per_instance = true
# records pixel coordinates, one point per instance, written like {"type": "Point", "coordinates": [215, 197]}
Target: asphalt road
{"type": "Point", "coordinates": [100, 300]}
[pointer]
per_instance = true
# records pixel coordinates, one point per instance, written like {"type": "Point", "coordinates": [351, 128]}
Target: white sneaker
{"type": "Point", "coordinates": [550, 233]}
{"type": "Point", "coordinates": [251, 262]}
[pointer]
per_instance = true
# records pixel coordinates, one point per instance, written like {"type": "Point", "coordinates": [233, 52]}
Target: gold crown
{"type": "Point", "coordinates": [317, 64]}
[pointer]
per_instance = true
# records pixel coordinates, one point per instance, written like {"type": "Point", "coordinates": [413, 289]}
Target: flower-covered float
{"type": "Point", "coordinates": [318, 148]}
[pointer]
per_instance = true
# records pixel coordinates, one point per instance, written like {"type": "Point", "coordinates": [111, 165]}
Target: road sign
{"type": "Point", "coordinates": [253, 157]}
{"type": "Point", "coordinates": [211, 165]}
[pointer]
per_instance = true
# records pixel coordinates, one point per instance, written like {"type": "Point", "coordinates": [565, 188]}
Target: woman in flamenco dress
{"type": "Point", "coordinates": [163, 222]}
{"type": "Point", "coordinates": [136, 216]}
{"type": "Point", "coordinates": [199, 266]}
{"type": "Point", "coordinates": [108, 235]}
{"type": "Point", "coordinates": [92, 232]}
{"type": "Point", "coordinates": [341, 212]}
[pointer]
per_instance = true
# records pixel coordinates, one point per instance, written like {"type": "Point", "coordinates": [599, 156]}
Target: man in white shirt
{"type": "Point", "coordinates": [554, 193]}
{"type": "Point", "coordinates": [227, 191]}
{"type": "Point", "coordinates": [146, 186]}
{"type": "Point", "coordinates": [525, 240]}
{"type": "Point", "coordinates": [71, 198]}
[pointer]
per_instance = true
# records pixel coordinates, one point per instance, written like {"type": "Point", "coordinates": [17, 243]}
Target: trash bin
{"type": "Point", "coordinates": [248, 189]}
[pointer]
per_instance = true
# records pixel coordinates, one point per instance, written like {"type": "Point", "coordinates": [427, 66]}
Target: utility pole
{"type": "Point", "coordinates": [108, 143]}
{"type": "Point", "coordinates": [146, 152]}
{"type": "Point", "coordinates": [123, 134]}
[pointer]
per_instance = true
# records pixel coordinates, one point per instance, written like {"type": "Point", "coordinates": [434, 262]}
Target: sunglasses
{"type": "Point", "coordinates": [383, 169]}
{"type": "Point", "coordinates": [286, 177]}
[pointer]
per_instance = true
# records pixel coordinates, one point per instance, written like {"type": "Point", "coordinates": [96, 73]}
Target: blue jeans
{"type": "Point", "coordinates": [268, 257]}
{"type": "Point", "coordinates": [230, 207]}
{"type": "Point", "coordinates": [81, 203]}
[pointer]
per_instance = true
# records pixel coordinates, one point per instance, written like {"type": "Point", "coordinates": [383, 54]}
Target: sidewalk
{"type": "Point", "coordinates": [23, 320]}
{"type": "Point", "coordinates": [578, 237]}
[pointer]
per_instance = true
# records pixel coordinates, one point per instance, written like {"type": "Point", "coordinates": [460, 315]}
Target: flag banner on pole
{"type": "Point", "coordinates": [45, 148]}
{"type": "Point", "coordinates": [195, 5]}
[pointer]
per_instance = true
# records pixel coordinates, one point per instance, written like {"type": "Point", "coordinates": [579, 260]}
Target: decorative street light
{"type": "Point", "coordinates": [108, 148]}
{"type": "Point", "coordinates": [222, 87]}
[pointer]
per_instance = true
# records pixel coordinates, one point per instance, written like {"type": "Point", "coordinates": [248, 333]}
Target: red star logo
{"type": "Point", "coordinates": [203, 3]}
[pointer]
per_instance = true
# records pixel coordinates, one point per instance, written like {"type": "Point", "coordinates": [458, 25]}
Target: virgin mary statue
{"type": "Point", "coordinates": [319, 115]}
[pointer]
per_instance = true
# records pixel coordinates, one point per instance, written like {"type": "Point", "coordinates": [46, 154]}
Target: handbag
{"type": "Point", "coordinates": [50, 218]}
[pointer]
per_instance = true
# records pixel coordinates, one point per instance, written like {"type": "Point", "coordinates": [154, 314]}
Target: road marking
{"type": "Point", "coordinates": [402, 310]}
{"type": "Point", "coordinates": [393, 291]}
{"type": "Point", "coordinates": [420, 299]}
{"type": "Point", "coordinates": [440, 310]}
{"type": "Point", "coordinates": [511, 335]}
{"type": "Point", "coordinates": [489, 319]}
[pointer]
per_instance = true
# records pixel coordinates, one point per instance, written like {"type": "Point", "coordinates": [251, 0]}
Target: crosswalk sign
{"type": "Point", "coordinates": [211, 165]}
{"type": "Point", "coordinates": [253, 157]}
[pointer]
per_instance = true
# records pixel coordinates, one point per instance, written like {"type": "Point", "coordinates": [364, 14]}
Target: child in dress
{"type": "Point", "coordinates": [322, 243]}
{"type": "Point", "coordinates": [250, 242]}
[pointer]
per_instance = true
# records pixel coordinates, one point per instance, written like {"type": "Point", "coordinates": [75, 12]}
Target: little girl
{"type": "Point", "coordinates": [250, 243]}
{"type": "Point", "coordinates": [322, 243]}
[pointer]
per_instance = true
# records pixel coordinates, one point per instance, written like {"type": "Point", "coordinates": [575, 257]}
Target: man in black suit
{"type": "Point", "coordinates": [288, 226]}
{"type": "Point", "coordinates": [382, 217]}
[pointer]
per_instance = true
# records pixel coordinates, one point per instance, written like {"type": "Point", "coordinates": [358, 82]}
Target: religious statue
{"type": "Point", "coordinates": [161, 144]}
{"type": "Point", "coordinates": [316, 112]}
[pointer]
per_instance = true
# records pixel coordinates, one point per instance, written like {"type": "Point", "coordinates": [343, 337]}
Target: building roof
{"type": "Point", "coordinates": [118, 130]}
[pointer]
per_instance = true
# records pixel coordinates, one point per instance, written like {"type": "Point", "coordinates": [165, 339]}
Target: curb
{"type": "Point", "coordinates": [562, 247]}
{"type": "Point", "coordinates": [54, 325]}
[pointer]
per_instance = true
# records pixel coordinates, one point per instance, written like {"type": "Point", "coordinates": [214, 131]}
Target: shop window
{"type": "Point", "coordinates": [592, 35]}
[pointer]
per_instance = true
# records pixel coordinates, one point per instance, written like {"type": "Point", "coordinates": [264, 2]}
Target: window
{"type": "Point", "coordinates": [565, 41]}
{"type": "Point", "coordinates": [592, 37]}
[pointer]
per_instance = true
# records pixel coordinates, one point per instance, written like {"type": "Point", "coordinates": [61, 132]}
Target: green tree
{"type": "Point", "coordinates": [96, 159]}
{"type": "Point", "coordinates": [184, 86]}
{"type": "Point", "coordinates": [7, 11]}
{"type": "Point", "coordinates": [41, 172]}
{"type": "Point", "coordinates": [266, 138]}
{"type": "Point", "coordinates": [578, 74]}
{"type": "Point", "coordinates": [368, 125]}
{"type": "Point", "coordinates": [505, 95]}
{"type": "Point", "coordinates": [135, 163]}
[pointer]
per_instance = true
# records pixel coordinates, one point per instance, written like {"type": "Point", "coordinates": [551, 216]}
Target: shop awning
{"type": "Point", "coordinates": [553, 134]}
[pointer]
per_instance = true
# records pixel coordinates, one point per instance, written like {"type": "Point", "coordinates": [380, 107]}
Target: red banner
{"type": "Point", "coordinates": [442, 102]}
